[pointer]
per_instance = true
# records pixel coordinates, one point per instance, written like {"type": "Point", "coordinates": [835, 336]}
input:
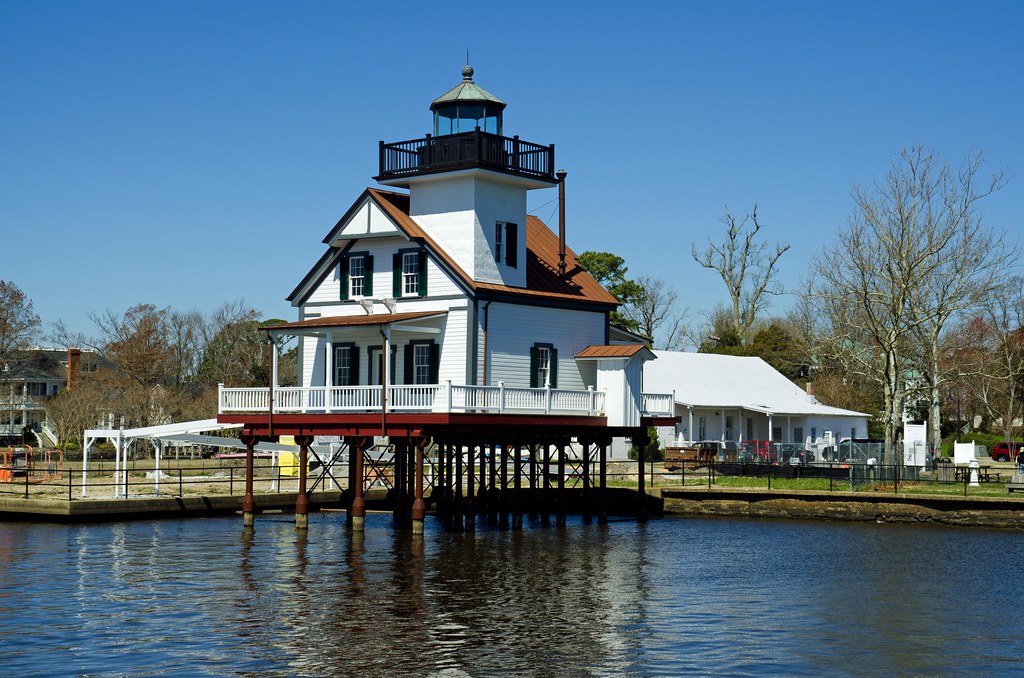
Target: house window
{"type": "Point", "coordinates": [356, 276]}
{"type": "Point", "coordinates": [798, 434]}
{"type": "Point", "coordinates": [543, 366]}
{"type": "Point", "coordinates": [777, 433]}
{"type": "Point", "coordinates": [814, 433]}
{"type": "Point", "coordinates": [356, 273]}
{"type": "Point", "coordinates": [421, 362]}
{"type": "Point", "coordinates": [346, 365]}
{"type": "Point", "coordinates": [702, 427]}
{"type": "Point", "coordinates": [728, 428]}
{"type": "Point", "coordinates": [853, 432]}
{"type": "Point", "coordinates": [506, 244]}
{"type": "Point", "coordinates": [410, 273]}
{"type": "Point", "coordinates": [750, 428]}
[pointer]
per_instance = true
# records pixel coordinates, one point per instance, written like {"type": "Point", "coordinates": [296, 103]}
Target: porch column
{"type": "Point", "coordinates": [329, 376]}
{"type": "Point", "coordinates": [602, 507]}
{"type": "Point", "coordinates": [302, 501]}
{"type": "Point", "coordinates": [771, 429]}
{"type": "Point", "coordinates": [419, 507]}
{"type": "Point", "coordinates": [248, 501]}
{"type": "Point", "coordinates": [689, 431]}
{"type": "Point", "coordinates": [356, 445]}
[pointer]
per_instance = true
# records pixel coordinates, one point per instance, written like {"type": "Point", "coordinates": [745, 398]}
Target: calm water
{"type": "Point", "coordinates": [672, 597]}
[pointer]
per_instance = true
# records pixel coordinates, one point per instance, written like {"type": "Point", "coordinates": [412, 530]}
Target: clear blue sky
{"type": "Point", "coordinates": [189, 153]}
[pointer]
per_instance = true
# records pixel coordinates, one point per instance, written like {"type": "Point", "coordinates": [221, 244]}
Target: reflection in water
{"type": "Point", "coordinates": [668, 597]}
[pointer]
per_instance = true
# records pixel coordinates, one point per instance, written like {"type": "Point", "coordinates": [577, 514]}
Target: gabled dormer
{"type": "Point", "coordinates": [468, 183]}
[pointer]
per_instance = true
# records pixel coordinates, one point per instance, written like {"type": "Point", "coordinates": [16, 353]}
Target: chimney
{"type": "Point", "coordinates": [810, 392]}
{"type": "Point", "coordinates": [74, 365]}
{"type": "Point", "coordinates": [561, 174]}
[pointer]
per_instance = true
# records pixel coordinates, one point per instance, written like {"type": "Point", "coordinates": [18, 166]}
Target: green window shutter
{"type": "Point", "coordinates": [408, 364]}
{"type": "Point", "coordinates": [396, 275]}
{"type": "Point", "coordinates": [368, 275]}
{"type": "Point", "coordinates": [343, 278]}
{"type": "Point", "coordinates": [435, 362]}
{"type": "Point", "coordinates": [512, 245]}
{"type": "Point", "coordinates": [534, 360]}
{"type": "Point", "coordinates": [423, 273]}
{"type": "Point", "coordinates": [553, 367]}
{"type": "Point", "coordinates": [353, 363]}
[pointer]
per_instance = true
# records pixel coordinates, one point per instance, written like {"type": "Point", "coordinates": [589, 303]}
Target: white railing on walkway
{"type": "Point", "coordinates": [445, 397]}
{"type": "Point", "coordinates": [658, 404]}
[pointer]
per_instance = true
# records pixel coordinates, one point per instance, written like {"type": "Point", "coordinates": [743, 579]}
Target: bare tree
{"type": "Point", "coordinates": [969, 269]}
{"type": "Point", "coordinates": [17, 320]}
{"type": "Point", "coordinates": [1000, 351]}
{"type": "Point", "coordinates": [747, 267]}
{"type": "Point", "coordinates": [652, 310]}
{"type": "Point", "coordinates": [897, 244]}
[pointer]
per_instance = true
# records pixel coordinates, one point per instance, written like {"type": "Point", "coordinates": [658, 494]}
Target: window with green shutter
{"type": "Point", "coordinates": [543, 366]}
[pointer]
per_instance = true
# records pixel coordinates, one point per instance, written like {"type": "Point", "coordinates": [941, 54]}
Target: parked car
{"type": "Point", "coordinates": [1006, 451]}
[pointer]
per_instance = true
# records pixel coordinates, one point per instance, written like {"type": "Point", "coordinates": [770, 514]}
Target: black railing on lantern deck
{"type": "Point", "coordinates": [465, 151]}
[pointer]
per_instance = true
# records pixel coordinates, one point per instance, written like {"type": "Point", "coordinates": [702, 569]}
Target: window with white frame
{"type": "Point", "coordinates": [798, 434]}
{"type": "Point", "coordinates": [499, 241]}
{"type": "Point", "coordinates": [814, 433]}
{"type": "Point", "coordinates": [346, 371]}
{"type": "Point", "coordinates": [702, 428]}
{"type": "Point", "coordinates": [421, 363]}
{"type": "Point", "coordinates": [410, 273]}
{"type": "Point", "coordinates": [543, 366]}
{"type": "Point", "coordinates": [356, 276]}
{"type": "Point", "coordinates": [728, 427]}
{"type": "Point", "coordinates": [750, 428]}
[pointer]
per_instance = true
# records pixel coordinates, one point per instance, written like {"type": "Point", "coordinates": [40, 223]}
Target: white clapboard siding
{"type": "Point", "coordinates": [513, 330]}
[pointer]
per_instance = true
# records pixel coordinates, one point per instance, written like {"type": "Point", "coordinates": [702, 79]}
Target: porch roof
{"type": "Point", "coordinates": [614, 351]}
{"type": "Point", "coordinates": [311, 325]}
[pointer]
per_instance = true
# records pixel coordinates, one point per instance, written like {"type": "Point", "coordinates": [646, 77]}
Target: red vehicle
{"type": "Point", "coordinates": [1006, 451]}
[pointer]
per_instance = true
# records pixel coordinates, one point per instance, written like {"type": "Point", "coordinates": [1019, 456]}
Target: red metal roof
{"type": "Point", "coordinates": [611, 351]}
{"type": "Point", "coordinates": [355, 320]}
{"type": "Point", "coordinates": [542, 278]}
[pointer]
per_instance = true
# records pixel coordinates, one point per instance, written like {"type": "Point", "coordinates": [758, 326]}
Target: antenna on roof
{"type": "Point", "coordinates": [467, 56]}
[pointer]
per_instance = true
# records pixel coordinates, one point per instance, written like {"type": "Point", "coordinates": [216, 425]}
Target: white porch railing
{"type": "Point", "coordinates": [445, 397]}
{"type": "Point", "coordinates": [658, 404]}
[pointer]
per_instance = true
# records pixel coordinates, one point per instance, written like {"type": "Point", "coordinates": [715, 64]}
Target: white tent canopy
{"type": "Point", "coordinates": [186, 432]}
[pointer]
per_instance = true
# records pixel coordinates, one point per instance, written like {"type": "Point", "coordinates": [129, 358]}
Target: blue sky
{"type": "Point", "coordinates": [189, 153]}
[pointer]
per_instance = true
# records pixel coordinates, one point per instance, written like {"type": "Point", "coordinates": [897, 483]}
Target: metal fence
{"type": "Point", "coordinates": [938, 478]}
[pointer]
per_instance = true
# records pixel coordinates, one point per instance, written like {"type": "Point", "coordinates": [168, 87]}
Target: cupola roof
{"type": "Point", "coordinates": [467, 91]}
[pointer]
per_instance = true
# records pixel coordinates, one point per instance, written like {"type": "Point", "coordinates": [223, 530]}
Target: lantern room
{"type": "Point", "coordinates": [466, 108]}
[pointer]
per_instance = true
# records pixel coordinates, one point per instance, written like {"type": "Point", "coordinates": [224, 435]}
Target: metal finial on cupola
{"type": "Point", "coordinates": [467, 73]}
